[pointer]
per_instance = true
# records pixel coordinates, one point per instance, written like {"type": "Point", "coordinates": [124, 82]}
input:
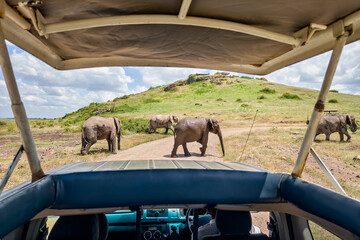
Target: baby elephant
{"type": "Point", "coordinates": [162, 121]}
{"type": "Point", "coordinates": [331, 123]}
{"type": "Point", "coordinates": [97, 128]}
{"type": "Point", "coordinates": [195, 129]}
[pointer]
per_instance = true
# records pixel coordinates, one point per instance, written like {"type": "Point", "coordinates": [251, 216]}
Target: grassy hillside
{"type": "Point", "coordinates": [232, 100]}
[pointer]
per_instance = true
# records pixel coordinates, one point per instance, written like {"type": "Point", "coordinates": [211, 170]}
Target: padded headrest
{"type": "Point", "coordinates": [233, 222]}
{"type": "Point", "coordinates": [80, 227]}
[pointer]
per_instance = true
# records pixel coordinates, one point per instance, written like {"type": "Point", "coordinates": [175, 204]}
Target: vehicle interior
{"type": "Point", "coordinates": [170, 199]}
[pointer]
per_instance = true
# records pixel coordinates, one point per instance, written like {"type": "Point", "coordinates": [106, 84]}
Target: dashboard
{"type": "Point", "coordinates": [156, 224]}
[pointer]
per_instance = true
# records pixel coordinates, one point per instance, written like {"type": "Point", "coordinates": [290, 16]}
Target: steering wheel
{"type": "Point", "coordinates": [189, 221]}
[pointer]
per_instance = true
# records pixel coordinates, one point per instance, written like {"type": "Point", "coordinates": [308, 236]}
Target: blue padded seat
{"type": "Point", "coordinates": [80, 227]}
{"type": "Point", "coordinates": [22, 203]}
{"type": "Point", "coordinates": [234, 225]}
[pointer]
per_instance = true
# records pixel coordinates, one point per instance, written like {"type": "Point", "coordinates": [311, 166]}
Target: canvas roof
{"type": "Point", "coordinates": [255, 37]}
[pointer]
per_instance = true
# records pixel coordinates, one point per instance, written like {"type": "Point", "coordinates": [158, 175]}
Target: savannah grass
{"type": "Point", "coordinates": [233, 101]}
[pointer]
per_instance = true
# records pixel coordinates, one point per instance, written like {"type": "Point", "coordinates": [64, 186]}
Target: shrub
{"type": "Point", "coordinates": [262, 79]}
{"type": "Point", "coordinates": [290, 96]}
{"type": "Point", "coordinates": [238, 100]}
{"type": "Point", "coordinates": [136, 125]}
{"type": "Point", "coordinates": [267, 90]}
{"type": "Point", "coordinates": [2, 123]}
{"type": "Point", "coordinates": [333, 101]}
{"type": "Point", "coordinates": [220, 100]}
{"type": "Point", "coordinates": [261, 97]}
{"type": "Point", "coordinates": [245, 105]}
{"type": "Point", "coordinates": [333, 90]}
{"type": "Point", "coordinates": [247, 77]}
{"type": "Point", "coordinates": [191, 79]}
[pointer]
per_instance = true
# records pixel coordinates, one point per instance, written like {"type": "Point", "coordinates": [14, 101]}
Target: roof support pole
{"type": "Point", "coordinates": [327, 172]}
{"type": "Point", "coordinates": [319, 106]}
{"type": "Point", "coordinates": [19, 111]}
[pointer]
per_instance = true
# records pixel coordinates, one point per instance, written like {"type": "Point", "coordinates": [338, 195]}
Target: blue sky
{"type": "Point", "coordinates": [49, 93]}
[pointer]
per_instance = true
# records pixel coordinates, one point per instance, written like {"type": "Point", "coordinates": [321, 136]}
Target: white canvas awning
{"type": "Point", "coordinates": [254, 37]}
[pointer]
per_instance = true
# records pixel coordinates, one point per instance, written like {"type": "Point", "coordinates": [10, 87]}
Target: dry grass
{"type": "Point", "coordinates": [56, 148]}
{"type": "Point", "coordinates": [277, 149]}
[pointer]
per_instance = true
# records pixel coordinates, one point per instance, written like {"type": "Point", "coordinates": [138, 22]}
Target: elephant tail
{"type": "Point", "coordinates": [83, 136]}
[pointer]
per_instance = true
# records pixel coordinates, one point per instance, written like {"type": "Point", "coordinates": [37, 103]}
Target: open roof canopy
{"type": "Point", "coordinates": [254, 37]}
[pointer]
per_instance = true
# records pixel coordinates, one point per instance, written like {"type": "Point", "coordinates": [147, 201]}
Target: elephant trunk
{"type": "Point", "coordinates": [353, 126]}
{"type": "Point", "coordinates": [221, 141]}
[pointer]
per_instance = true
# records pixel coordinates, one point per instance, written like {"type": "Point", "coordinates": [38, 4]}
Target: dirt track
{"type": "Point", "coordinates": [161, 149]}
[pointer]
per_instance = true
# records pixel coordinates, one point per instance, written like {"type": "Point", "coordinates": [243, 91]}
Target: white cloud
{"type": "Point", "coordinates": [310, 73]}
{"type": "Point", "coordinates": [155, 76]}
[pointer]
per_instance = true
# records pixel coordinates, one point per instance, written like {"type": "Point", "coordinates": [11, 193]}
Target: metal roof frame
{"type": "Point", "coordinates": [306, 43]}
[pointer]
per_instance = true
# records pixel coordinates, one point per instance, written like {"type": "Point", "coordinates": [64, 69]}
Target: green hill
{"type": "Point", "coordinates": [230, 99]}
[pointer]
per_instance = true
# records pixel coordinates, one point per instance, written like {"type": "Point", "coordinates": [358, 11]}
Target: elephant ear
{"type": "Point", "coordinates": [117, 124]}
{"type": "Point", "coordinates": [211, 124]}
{"type": "Point", "coordinates": [171, 117]}
{"type": "Point", "coordinates": [348, 119]}
{"type": "Point", "coordinates": [174, 118]}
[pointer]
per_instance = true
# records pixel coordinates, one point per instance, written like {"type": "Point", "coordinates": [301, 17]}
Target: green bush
{"type": "Point", "coordinates": [333, 101]}
{"type": "Point", "coordinates": [333, 90]}
{"type": "Point", "coordinates": [267, 90]}
{"type": "Point", "coordinates": [290, 96]}
{"type": "Point", "coordinates": [2, 123]}
{"type": "Point", "coordinates": [238, 100]}
{"type": "Point", "coordinates": [135, 125]}
{"type": "Point", "coordinates": [245, 105]}
{"type": "Point", "coordinates": [261, 97]}
{"type": "Point", "coordinates": [247, 77]}
{"type": "Point", "coordinates": [220, 100]}
{"type": "Point", "coordinates": [262, 79]}
{"type": "Point", "coordinates": [191, 79]}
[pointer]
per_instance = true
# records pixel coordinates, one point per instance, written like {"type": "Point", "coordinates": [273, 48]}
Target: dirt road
{"type": "Point", "coordinates": [161, 149]}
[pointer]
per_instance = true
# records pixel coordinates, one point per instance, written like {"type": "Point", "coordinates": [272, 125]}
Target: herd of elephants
{"type": "Point", "coordinates": [192, 129]}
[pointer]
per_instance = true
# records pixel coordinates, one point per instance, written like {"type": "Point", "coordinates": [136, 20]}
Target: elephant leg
{"type": "Point", "coordinates": [172, 129]}
{"type": "Point", "coordinates": [204, 144]}
{"type": "Point", "coordinates": [109, 144]}
{"type": "Point", "coordinates": [327, 138]}
{"type": "Point", "coordinates": [186, 151]}
{"type": "Point", "coordinates": [173, 153]}
{"type": "Point", "coordinates": [112, 143]}
{"type": "Point", "coordinates": [87, 147]}
{"type": "Point", "coordinates": [341, 136]}
{"type": "Point", "coordinates": [83, 145]}
{"type": "Point", "coordinates": [348, 136]}
{"type": "Point", "coordinates": [166, 131]}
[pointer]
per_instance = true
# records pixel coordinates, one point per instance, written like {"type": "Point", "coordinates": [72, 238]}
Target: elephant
{"type": "Point", "coordinates": [331, 123]}
{"type": "Point", "coordinates": [162, 121]}
{"type": "Point", "coordinates": [195, 129]}
{"type": "Point", "coordinates": [97, 128]}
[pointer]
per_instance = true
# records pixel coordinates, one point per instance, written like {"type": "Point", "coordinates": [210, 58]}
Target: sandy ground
{"type": "Point", "coordinates": [161, 149]}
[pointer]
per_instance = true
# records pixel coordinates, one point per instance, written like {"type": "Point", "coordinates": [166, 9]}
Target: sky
{"type": "Point", "coordinates": [50, 93]}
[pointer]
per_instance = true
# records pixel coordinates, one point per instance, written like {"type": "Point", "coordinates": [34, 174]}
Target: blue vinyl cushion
{"type": "Point", "coordinates": [334, 207]}
{"type": "Point", "coordinates": [17, 207]}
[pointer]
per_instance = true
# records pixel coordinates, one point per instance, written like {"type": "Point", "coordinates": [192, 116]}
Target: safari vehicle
{"type": "Point", "coordinates": [252, 37]}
